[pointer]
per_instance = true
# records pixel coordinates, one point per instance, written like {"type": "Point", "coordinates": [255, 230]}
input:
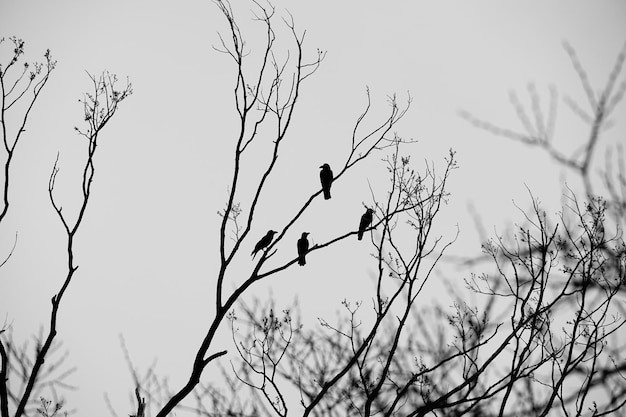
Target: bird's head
{"type": "Point", "coordinates": [305, 234]}
{"type": "Point", "coordinates": [272, 232]}
{"type": "Point", "coordinates": [325, 166]}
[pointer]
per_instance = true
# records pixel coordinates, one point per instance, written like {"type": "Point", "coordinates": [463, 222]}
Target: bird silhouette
{"type": "Point", "coordinates": [366, 220]}
{"type": "Point", "coordinates": [264, 242]}
{"type": "Point", "coordinates": [326, 178]}
{"type": "Point", "coordinates": [303, 248]}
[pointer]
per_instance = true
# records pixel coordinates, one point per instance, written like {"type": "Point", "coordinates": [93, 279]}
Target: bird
{"type": "Point", "coordinates": [366, 220]}
{"type": "Point", "coordinates": [264, 242]}
{"type": "Point", "coordinates": [303, 248]}
{"type": "Point", "coordinates": [326, 178]}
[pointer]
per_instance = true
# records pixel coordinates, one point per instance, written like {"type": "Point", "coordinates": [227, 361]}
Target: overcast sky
{"type": "Point", "coordinates": [147, 247]}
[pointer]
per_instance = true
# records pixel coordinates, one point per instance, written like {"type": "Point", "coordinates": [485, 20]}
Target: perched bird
{"type": "Point", "coordinates": [264, 242]}
{"type": "Point", "coordinates": [326, 178]}
{"type": "Point", "coordinates": [366, 220]}
{"type": "Point", "coordinates": [303, 248]}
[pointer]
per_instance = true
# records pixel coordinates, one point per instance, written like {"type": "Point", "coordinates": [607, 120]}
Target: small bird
{"type": "Point", "coordinates": [303, 248]}
{"type": "Point", "coordinates": [366, 220]}
{"type": "Point", "coordinates": [264, 242]}
{"type": "Point", "coordinates": [326, 178]}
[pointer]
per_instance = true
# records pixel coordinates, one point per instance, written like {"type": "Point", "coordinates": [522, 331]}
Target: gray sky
{"type": "Point", "coordinates": [147, 248]}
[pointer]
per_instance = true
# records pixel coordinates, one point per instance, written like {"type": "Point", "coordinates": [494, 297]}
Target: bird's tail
{"type": "Point", "coordinates": [326, 194]}
{"type": "Point", "coordinates": [301, 260]}
{"type": "Point", "coordinates": [360, 235]}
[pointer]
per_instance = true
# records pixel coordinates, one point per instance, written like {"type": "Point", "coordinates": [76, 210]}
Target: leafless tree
{"type": "Point", "coordinates": [547, 340]}
{"type": "Point", "coordinates": [23, 374]}
{"type": "Point", "coordinates": [351, 368]}
{"type": "Point", "coordinates": [597, 219]}
{"type": "Point", "coordinates": [266, 96]}
{"type": "Point", "coordinates": [543, 342]}
{"type": "Point", "coordinates": [17, 104]}
{"type": "Point", "coordinates": [541, 339]}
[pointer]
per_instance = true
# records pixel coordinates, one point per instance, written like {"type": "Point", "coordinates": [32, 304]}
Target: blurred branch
{"type": "Point", "coordinates": [539, 133]}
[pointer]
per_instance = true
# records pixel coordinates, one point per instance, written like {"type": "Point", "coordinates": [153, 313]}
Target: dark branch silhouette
{"type": "Point", "coordinates": [266, 95]}
{"type": "Point", "coordinates": [99, 106]}
{"type": "Point", "coordinates": [542, 334]}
